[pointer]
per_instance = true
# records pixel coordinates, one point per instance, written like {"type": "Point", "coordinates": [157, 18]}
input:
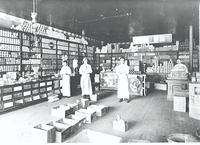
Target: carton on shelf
{"type": "Point", "coordinates": [61, 111]}
{"type": "Point", "coordinates": [89, 114]}
{"type": "Point", "coordinates": [100, 109]}
{"type": "Point", "coordinates": [62, 131]}
{"type": "Point", "coordinates": [43, 133]}
{"type": "Point", "coordinates": [120, 125]}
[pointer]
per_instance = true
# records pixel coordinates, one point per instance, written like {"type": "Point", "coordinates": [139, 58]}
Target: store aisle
{"type": "Point", "coordinates": [150, 118]}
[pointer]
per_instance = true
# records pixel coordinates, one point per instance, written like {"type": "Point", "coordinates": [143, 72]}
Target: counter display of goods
{"type": "Point", "coordinates": [109, 80]}
{"type": "Point", "coordinates": [22, 94]}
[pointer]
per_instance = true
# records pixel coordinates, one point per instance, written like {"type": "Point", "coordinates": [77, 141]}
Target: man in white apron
{"type": "Point", "coordinates": [65, 74]}
{"type": "Point", "coordinates": [85, 71]}
{"type": "Point", "coordinates": [122, 71]}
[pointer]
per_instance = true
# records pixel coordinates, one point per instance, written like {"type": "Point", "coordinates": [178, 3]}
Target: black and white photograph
{"type": "Point", "coordinates": [99, 71]}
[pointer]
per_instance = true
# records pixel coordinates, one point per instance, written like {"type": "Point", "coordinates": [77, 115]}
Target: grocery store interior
{"type": "Point", "coordinates": [99, 71]}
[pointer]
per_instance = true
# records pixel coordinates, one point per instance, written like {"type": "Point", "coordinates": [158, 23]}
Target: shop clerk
{"type": "Point", "coordinates": [65, 74]}
{"type": "Point", "coordinates": [85, 71]}
{"type": "Point", "coordinates": [122, 71]}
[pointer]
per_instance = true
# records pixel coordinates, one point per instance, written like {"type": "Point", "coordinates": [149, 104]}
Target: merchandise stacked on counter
{"type": "Point", "coordinates": [19, 95]}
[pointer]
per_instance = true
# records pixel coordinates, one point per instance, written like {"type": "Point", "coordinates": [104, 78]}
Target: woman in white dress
{"type": "Point", "coordinates": [122, 71]}
{"type": "Point", "coordinates": [85, 71]}
{"type": "Point", "coordinates": [65, 74]}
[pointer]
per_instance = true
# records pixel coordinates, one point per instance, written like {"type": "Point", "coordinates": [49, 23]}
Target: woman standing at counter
{"type": "Point", "coordinates": [122, 71]}
{"type": "Point", "coordinates": [65, 74]}
{"type": "Point", "coordinates": [85, 71]}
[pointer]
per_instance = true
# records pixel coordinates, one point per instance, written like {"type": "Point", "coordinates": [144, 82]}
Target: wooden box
{"type": "Point", "coordinates": [94, 97]}
{"type": "Point", "coordinates": [81, 120]}
{"type": "Point", "coordinates": [74, 106]}
{"type": "Point", "coordinates": [100, 109]}
{"type": "Point", "coordinates": [61, 111]}
{"type": "Point", "coordinates": [43, 133]}
{"type": "Point", "coordinates": [74, 123]}
{"type": "Point", "coordinates": [62, 131]}
{"type": "Point", "coordinates": [120, 125]}
{"type": "Point", "coordinates": [89, 114]}
{"type": "Point", "coordinates": [194, 112]}
{"type": "Point", "coordinates": [79, 104]}
{"type": "Point", "coordinates": [84, 103]}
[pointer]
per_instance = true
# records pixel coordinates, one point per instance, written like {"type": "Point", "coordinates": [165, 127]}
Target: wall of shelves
{"type": "Point", "coordinates": [22, 52]}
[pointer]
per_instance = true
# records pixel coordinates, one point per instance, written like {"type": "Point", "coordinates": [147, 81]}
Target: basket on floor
{"type": "Point", "coordinates": [178, 137]}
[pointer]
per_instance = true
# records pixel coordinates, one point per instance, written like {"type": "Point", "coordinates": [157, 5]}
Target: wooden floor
{"type": "Point", "coordinates": [150, 118]}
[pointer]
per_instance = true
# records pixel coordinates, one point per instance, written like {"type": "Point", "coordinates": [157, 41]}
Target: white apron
{"type": "Point", "coordinates": [85, 83]}
{"type": "Point", "coordinates": [123, 84]}
{"type": "Point", "coordinates": [65, 73]}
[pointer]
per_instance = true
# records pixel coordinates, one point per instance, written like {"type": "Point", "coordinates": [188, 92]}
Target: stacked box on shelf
{"type": "Point", "coordinates": [62, 131]}
{"type": "Point", "coordinates": [48, 57]}
{"type": "Point", "coordinates": [31, 54]}
{"type": "Point", "coordinates": [73, 53]}
{"type": "Point", "coordinates": [9, 52]}
{"type": "Point", "coordinates": [62, 50]}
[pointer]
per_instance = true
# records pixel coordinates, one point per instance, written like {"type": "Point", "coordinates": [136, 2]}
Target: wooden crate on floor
{"type": "Point", "coordinates": [85, 103]}
{"type": "Point", "coordinates": [61, 111]}
{"type": "Point", "coordinates": [101, 110]}
{"type": "Point", "coordinates": [42, 133]}
{"type": "Point", "coordinates": [74, 123]}
{"type": "Point", "coordinates": [180, 103]}
{"type": "Point", "coordinates": [81, 120]}
{"type": "Point", "coordinates": [62, 131]}
{"type": "Point", "coordinates": [94, 97]}
{"type": "Point", "coordinates": [74, 106]}
{"type": "Point", "coordinates": [89, 114]}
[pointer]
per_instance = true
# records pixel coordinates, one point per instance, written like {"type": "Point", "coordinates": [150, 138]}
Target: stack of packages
{"type": "Point", "coordinates": [72, 117]}
{"type": "Point", "coordinates": [52, 97]}
{"type": "Point", "coordinates": [196, 77]}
